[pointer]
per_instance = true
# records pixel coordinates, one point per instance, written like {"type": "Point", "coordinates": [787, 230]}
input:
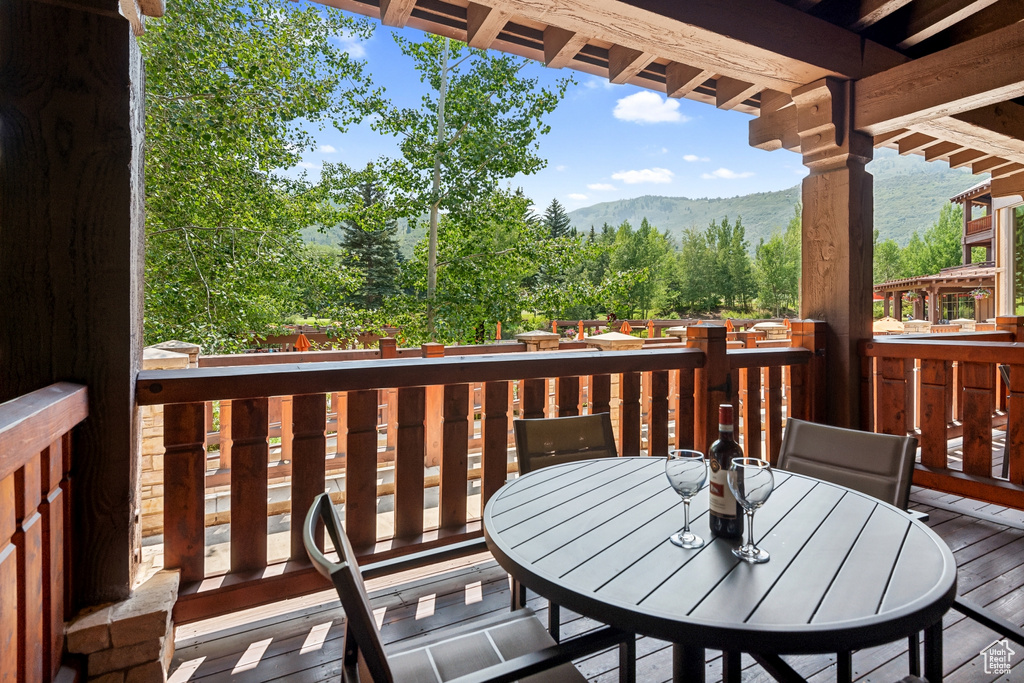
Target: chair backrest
{"type": "Point", "coordinates": [880, 465]}
{"type": "Point", "coordinates": [362, 636]}
{"type": "Point", "coordinates": [552, 441]}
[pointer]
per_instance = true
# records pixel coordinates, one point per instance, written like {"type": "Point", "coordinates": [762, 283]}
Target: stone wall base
{"type": "Point", "coordinates": [130, 641]}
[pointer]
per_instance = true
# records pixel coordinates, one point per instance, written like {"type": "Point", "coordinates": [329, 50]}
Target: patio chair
{"type": "Point", "coordinates": [506, 647]}
{"type": "Point", "coordinates": [880, 465]}
{"type": "Point", "coordinates": [552, 441]}
{"type": "Point", "coordinates": [544, 442]}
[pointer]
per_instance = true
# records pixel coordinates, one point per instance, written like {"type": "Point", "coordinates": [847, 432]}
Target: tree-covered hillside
{"type": "Point", "coordinates": [909, 193]}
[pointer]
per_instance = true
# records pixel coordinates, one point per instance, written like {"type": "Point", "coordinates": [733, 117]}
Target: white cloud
{"type": "Point", "coordinates": [693, 157]}
{"type": "Point", "coordinates": [577, 197]}
{"type": "Point", "coordinates": [306, 164]}
{"type": "Point", "coordinates": [328, 149]}
{"type": "Point", "coordinates": [648, 107]}
{"type": "Point", "coordinates": [561, 167]}
{"type": "Point", "coordinates": [645, 175]}
{"type": "Point", "coordinates": [600, 187]}
{"type": "Point", "coordinates": [726, 173]}
{"type": "Point", "coordinates": [355, 48]}
{"type": "Point", "coordinates": [594, 83]}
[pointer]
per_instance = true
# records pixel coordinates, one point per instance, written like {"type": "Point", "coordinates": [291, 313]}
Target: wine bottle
{"type": "Point", "coordinates": [726, 515]}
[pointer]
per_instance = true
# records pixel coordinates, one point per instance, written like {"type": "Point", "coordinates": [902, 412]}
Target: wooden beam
{"type": "Point", "coordinates": [892, 136]}
{"type": "Point", "coordinates": [986, 165]}
{"type": "Point", "coordinates": [923, 19]}
{"type": "Point", "coordinates": [682, 79]}
{"type": "Point", "coordinates": [729, 92]}
{"type": "Point", "coordinates": [1009, 169]}
{"type": "Point", "coordinates": [625, 62]}
{"type": "Point", "coordinates": [776, 127]}
{"type": "Point", "coordinates": [979, 24]}
{"type": "Point", "coordinates": [968, 156]}
{"type": "Point", "coordinates": [1008, 186]}
{"type": "Point", "coordinates": [914, 142]}
{"type": "Point", "coordinates": [396, 12]}
{"type": "Point", "coordinates": [561, 45]}
{"type": "Point", "coordinates": [872, 11]}
{"type": "Point", "coordinates": [483, 24]}
{"type": "Point", "coordinates": [751, 40]}
{"type": "Point", "coordinates": [940, 150]}
{"type": "Point", "coordinates": [978, 73]}
{"type": "Point", "coordinates": [998, 129]}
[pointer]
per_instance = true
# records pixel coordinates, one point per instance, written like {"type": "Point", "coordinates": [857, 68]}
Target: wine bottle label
{"type": "Point", "coordinates": [722, 502]}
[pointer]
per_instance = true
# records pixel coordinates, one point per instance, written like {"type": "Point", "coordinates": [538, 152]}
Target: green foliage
{"type": "Point", "coordinates": [230, 89]}
{"type": "Point", "coordinates": [777, 268]}
{"type": "Point", "coordinates": [642, 255]}
{"type": "Point", "coordinates": [557, 220]}
{"type": "Point", "coordinates": [369, 234]}
{"type": "Point", "coordinates": [939, 247]}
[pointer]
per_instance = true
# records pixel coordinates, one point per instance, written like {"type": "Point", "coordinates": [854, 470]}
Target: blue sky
{"type": "Point", "coordinates": [607, 142]}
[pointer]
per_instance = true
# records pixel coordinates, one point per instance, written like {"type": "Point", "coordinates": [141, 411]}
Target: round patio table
{"type": "Point", "coordinates": [847, 571]}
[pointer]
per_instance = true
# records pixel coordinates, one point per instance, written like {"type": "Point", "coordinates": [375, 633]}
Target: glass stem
{"type": "Point", "coordinates": [750, 529]}
{"type": "Point", "coordinates": [686, 515]}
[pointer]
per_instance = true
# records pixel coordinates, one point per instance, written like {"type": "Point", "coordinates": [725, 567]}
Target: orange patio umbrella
{"type": "Point", "coordinates": [579, 331]}
{"type": "Point", "coordinates": [650, 329]}
{"type": "Point", "coordinates": [302, 344]}
{"type": "Point", "coordinates": [626, 328]}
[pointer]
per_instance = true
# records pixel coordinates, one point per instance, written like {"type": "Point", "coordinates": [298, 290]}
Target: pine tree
{"type": "Point", "coordinates": [556, 219]}
{"type": "Point", "coordinates": [370, 236]}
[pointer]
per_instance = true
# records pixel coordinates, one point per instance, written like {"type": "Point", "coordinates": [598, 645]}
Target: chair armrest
{"type": "Point", "coordinates": [989, 619]}
{"type": "Point", "coordinates": [547, 658]}
{"type": "Point", "coordinates": [423, 558]}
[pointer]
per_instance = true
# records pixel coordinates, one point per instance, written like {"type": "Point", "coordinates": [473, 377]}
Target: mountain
{"type": "Point", "coordinates": [909, 192]}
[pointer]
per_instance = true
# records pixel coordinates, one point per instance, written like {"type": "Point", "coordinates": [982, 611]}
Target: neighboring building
{"type": "Point", "coordinates": [966, 291]}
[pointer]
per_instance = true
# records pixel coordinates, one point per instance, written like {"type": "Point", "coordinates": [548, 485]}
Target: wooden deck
{"type": "Point", "coordinates": [299, 640]}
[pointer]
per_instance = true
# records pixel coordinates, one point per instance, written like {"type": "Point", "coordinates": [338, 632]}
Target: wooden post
{"type": "Point", "coordinates": [434, 409]}
{"type": "Point", "coordinates": [837, 237]}
{"type": "Point", "coordinates": [1013, 324]}
{"type": "Point", "coordinates": [711, 383]}
{"type": "Point", "coordinates": [71, 174]}
{"type": "Point", "coordinates": [812, 335]}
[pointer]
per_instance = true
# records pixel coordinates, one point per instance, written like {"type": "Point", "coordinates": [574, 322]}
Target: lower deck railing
{"type": "Point", "coordinates": [952, 388]}
{"type": "Point", "coordinates": [35, 459]}
{"type": "Point", "coordinates": [433, 505]}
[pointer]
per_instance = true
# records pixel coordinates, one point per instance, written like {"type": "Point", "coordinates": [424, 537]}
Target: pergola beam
{"type": "Point", "coordinates": [981, 72]}
{"type": "Point", "coordinates": [396, 12]}
{"type": "Point", "coordinates": [998, 129]}
{"type": "Point", "coordinates": [483, 24]}
{"type": "Point", "coordinates": [758, 41]}
{"type": "Point", "coordinates": [730, 92]}
{"type": "Point", "coordinates": [682, 79]}
{"type": "Point", "coordinates": [870, 12]}
{"type": "Point", "coordinates": [561, 45]}
{"type": "Point", "coordinates": [926, 18]}
{"type": "Point", "coordinates": [625, 62]}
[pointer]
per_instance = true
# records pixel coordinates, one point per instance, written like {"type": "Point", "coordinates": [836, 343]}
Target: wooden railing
{"type": "Point", "coordinates": [979, 225]}
{"type": "Point", "coordinates": [685, 387]}
{"type": "Point", "coordinates": [939, 389]}
{"type": "Point", "coordinates": [35, 457]}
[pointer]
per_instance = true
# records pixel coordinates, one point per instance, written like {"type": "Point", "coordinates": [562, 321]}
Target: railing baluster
{"type": "Point", "coordinates": [736, 390]}
{"type": "Point", "coordinates": [750, 381]}
{"type": "Point", "coordinates": [773, 413]}
{"type": "Point", "coordinates": [249, 460]}
{"type": "Point", "coordinates": [28, 539]}
{"type": "Point", "coordinates": [657, 414]}
{"type": "Point", "coordinates": [409, 459]}
{"type": "Point", "coordinates": [185, 487]}
{"type": "Point", "coordinates": [977, 413]}
{"type": "Point", "coordinates": [287, 426]}
{"type": "Point", "coordinates": [361, 469]}
{"type": "Point", "coordinates": [600, 394]}
{"type": "Point", "coordinates": [629, 413]}
{"type": "Point", "coordinates": [568, 393]}
{"type": "Point", "coordinates": [534, 399]}
{"type": "Point", "coordinates": [684, 409]}
{"type": "Point", "coordinates": [224, 460]}
{"type": "Point", "coordinates": [933, 413]}
{"type": "Point", "coordinates": [1015, 425]}
{"type": "Point", "coordinates": [454, 460]}
{"type": "Point", "coordinates": [8, 583]}
{"type": "Point", "coordinates": [494, 458]}
{"type": "Point", "coordinates": [52, 511]}
{"type": "Point", "coordinates": [797, 391]}
{"type": "Point", "coordinates": [891, 409]}
{"type": "Point", "coordinates": [308, 447]}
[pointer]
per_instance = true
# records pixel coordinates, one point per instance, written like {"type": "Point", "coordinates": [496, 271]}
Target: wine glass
{"type": "Point", "coordinates": [686, 471]}
{"type": "Point", "coordinates": [751, 481]}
